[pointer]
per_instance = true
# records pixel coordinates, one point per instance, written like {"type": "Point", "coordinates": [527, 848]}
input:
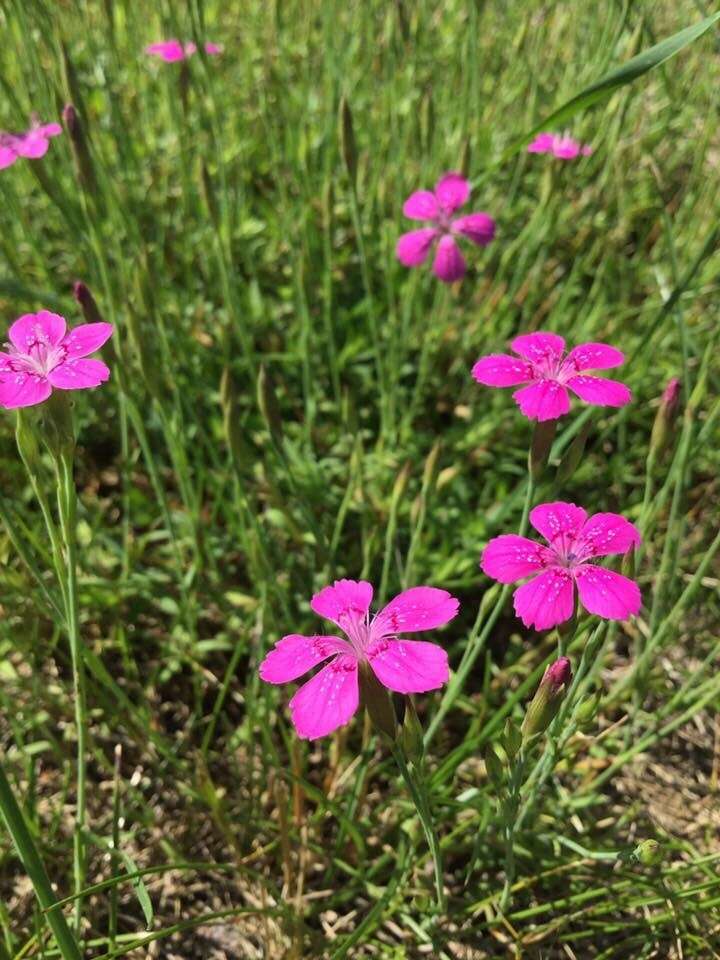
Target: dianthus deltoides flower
{"type": "Point", "coordinates": [451, 192]}
{"type": "Point", "coordinates": [548, 374]}
{"type": "Point", "coordinates": [173, 50]}
{"type": "Point", "coordinates": [562, 147]}
{"type": "Point", "coordinates": [331, 697]}
{"type": "Point", "coordinates": [43, 355]}
{"type": "Point", "coordinates": [574, 539]}
{"type": "Point", "coordinates": [32, 144]}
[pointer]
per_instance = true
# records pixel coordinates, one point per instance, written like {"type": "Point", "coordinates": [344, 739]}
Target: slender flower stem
{"type": "Point", "coordinates": [510, 823]}
{"type": "Point", "coordinates": [418, 794]}
{"type": "Point", "coordinates": [67, 508]}
{"type": "Point", "coordinates": [32, 862]}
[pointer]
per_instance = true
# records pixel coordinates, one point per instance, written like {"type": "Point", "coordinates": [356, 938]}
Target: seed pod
{"type": "Point", "coordinates": [545, 704]}
{"type": "Point", "coordinates": [376, 700]}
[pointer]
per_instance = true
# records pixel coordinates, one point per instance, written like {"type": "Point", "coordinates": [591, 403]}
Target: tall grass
{"type": "Point", "coordinates": [288, 405]}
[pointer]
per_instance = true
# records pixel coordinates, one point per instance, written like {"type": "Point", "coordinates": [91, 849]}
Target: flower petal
{"type": "Point", "coordinates": [545, 601]}
{"type": "Point", "coordinates": [601, 392]}
{"type": "Point", "coordinates": [49, 129]}
{"type": "Point", "coordinates": [543, 143]}
{"type": "Point", "coordinates": [213, 49]}
{"type": "Point", "coordinates": [559, 522]}
{"type": "Point", "coordinates": [606, 533]}
{"type": "Point", "coordinates": [452, 191]}
{"type": "Point", "coordinates": [79, 374]}
{"type": "Point", "coordinates": [412, 248]}
{"type": "Point", "coordinates": [345, 601]}
{"type": "Point", "coordinates": [409, 666]}
{"type": "Point", "coordinates": [592, 356]}
{"type": "Point", "coordinates": [295, 654]}
{"type": "Point", "coordinates": [565, 148]}
{"type": "Point", "coordinates": [86, 339]}
{"type": "Point", "coordinates": [449, 264]}
{"type": "Point", "coordinates": [537, 347]}
{"type": "Point", "coordinates": [421, 205]}
{"type": "Point", "coordinates": [8, 156]}
{"type": "Point", "coordinates": [327, 701]}
{"type": "Point", "coordinates": [24, 390]}
{"type": "Point", "coordinates": [606, 593]}
{"type": "Point", "coordinates": [509, 558]}
{"type": "Point", "coordinates": [169, 50]}
{"type": "Point", "coordinates": [419, 608]}
{"type": "Point", "coordinates": [502, 370]}
{"type": "Point", "coordinates": [543, 400]}
{"type": "Point", "coordinates": [31, 328]}
{"type": "Point", "coordinates": [32, 145]}
{"type": "Point", "coordinates": [478, 227]}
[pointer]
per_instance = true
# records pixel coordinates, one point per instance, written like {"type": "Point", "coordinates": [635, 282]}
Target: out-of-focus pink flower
{"type": "Point", "coordinates": [173, 50]}
{"type": "Point", "coordinates": [562, 147]}
{"type": "Point", "coordinates": [331, 697]}
{"type": "Point", "coordinates": [451, 192]}
{"type": "Point", "coordinates": [44, 355]}
{"type": "Point", "coordinates": [33, 143]}
{"type": "Point", "coordinates": [549, 374]}
{"type": "Point", "coordinates": [574, 539]}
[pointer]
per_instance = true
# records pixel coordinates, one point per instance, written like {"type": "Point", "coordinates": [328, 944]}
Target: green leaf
{"type": "Point", "coordinates": [605, 86]}
{"type": "Point", "coordinates": [139, 887]}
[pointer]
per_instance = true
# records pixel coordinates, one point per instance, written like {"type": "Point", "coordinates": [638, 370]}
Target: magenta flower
{"type": "Point", "coordinates": [451, 191]}
{"type": "Point", "coordinates": [564, 148]}
{"type": "Point", "coordinates": [173, 50]}
{"type": "Point", "coordinates": [549, 374]}
{"type": "Point", "coordinates": [331, 697]}
{"type": "Point", "coordinates": [549, 598]}
{"type": "Point", "coordinates": [32, 144]}
{"type": "Point", "coordinates": [43, 355]}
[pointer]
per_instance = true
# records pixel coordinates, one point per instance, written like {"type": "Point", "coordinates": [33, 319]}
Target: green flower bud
{"type": "Point", "coordinates": [546, 702]}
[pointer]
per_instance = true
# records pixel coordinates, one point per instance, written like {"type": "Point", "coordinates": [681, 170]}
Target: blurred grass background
{"type": "Point", "coordinates": [289, 404]}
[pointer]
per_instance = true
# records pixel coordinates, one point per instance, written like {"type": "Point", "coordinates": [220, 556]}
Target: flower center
{"type": "Point", "coordinates": [40, 356]}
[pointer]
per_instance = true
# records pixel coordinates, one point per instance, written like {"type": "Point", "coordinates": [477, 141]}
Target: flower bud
{"type": "Point", "coordinates": [348, 147]}
{"type": "Point", "coordinates": [587, 710]}
{"type": "Point", "coordinates": [512, 738]}
{"type": "Point", "coordinates": [376, 700]}
{"type": "Point", "coordinates": [545, 704]}
{"type": "Point", "coordinates": [231, 417]}
{"type": "Point", "coordinates": [647, 852]}
{"type": "Point", "coordinates": [494, 767]}
{"type": "Point", "coordinates": [411, 734]}
{"type": "Point", "coordinates": [664, 425]}
{"type": "Point", "coordinates": [542, 441]}
{"type": "Point", "coordinates": [89, 307]}
{"type": "Point", "coordinates": [81, 152]}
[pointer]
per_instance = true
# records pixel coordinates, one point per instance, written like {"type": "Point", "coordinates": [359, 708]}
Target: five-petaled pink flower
{"type": "Point", "coordinates": [451, 192]}
{"type": "Point", "coordinates": [173, 50]}
{"type": "Point", "coordinates": [574, 539]}
{"type": "Point", "coordinates": [331, 697]}
{"type": "Point", "coordinates": [549, 374]}
{"type": "Point", "coordinates": [562, 147]}
{"type": "Point", "coordinates": [32, 144]}
{"type": "Point", "coordinates": [43, 354]}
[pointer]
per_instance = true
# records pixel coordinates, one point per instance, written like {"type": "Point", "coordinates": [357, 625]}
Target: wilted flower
{"type": "Point", "coordinates": [549, 375]}
{"type": "Point", "coordinates": [562, 147]}
{"type": "Point", "coordinates": [43, 355]}
{"type": "Point", "coordinates": [574, 539]}
{"type": "Point", "coordinates": [331, 697]}
{"type": "Point", "coordinates": [173, 50]}
{"type": "Point", "coordinates": [32, 144]}
{"type": "Point", "coordinates": [451, 191]}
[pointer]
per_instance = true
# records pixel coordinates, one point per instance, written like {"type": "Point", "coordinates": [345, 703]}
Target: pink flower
{"type": "Point", "coordinates": [43, 354]}
{"type": "Point", "coordinates": [32, 144]}
{"type": "Point", "coordinates": [549, 598]}
{"type": "Point", "coordinates": [173, 50]}
{"type": "Point", "coordinates": [549, 375]}
{"type": "Point", "coordinates": [451, 191]}
{"type": "Point", "coordinates": [564, 148]}
{"type": "Point", "coordinates": [331, 697]}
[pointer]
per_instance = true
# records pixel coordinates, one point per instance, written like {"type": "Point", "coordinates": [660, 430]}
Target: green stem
{"type": "Point", "coordinates": [67, 508]}
{"type": "Point", "coordinates": [518, 775]}
{"type": "Point", "coordinates": [418, 794]}
{"type": "Point", "coordinates": [32, 862]}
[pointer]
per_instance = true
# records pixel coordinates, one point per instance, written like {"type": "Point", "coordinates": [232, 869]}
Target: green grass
{"type": "Point", "coordinates": [288, 405]}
